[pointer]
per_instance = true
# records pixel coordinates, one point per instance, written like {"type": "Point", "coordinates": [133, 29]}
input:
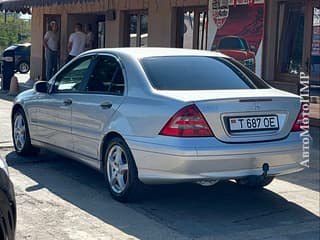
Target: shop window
{"type": "Point", "coordinates": [291, 33]}
{"type": "Point", "coordinates": [138, 29]}
{"type": "Point", "coordinates": [315, 48]}
{"type": "Point", "coordinates": [192, 28]}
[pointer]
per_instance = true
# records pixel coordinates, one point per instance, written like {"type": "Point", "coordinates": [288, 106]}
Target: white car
{"type": "Point", "coordinates": [160, 115]}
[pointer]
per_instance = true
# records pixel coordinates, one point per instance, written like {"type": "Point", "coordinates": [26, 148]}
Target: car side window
{"type": "Point", "coordinates": [106, 77]}
{"type": "Point", "coordinates": [70, 80]}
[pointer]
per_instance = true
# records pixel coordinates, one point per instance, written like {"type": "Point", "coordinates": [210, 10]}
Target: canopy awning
{"type": "Point", "coordinates": [24, 6]}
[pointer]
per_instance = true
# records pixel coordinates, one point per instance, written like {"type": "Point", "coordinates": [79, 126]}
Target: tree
{"type": "Point", "coordinates": [13, 29]}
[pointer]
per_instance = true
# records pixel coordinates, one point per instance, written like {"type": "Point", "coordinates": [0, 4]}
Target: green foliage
{"type": "Point", "coordinates": [13, 30]}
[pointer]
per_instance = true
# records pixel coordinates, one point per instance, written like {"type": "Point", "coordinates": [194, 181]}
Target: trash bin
{"type": "Point", "coordinates": [7, 68]}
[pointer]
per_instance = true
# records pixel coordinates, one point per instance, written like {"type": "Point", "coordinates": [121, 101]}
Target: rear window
{"type": "Point", "coordinates": [199, 73]}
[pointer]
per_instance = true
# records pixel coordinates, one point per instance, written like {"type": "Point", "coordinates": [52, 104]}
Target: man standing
{"type": "Point", "coordinates": [77, 42]}
{"type": "Point", "coordinates": [51, 44]}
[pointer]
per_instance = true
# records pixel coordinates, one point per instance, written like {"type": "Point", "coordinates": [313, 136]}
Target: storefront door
{"type": "Point", "coordinates": [192, 28]}
{"type": "Point", "coordinates": [136, 33]}
{"type": "Point", "coordinates": [298, 40]}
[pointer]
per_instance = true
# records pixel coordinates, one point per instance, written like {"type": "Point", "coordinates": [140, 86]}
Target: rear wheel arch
{"type": "Point", "coordinates": [106, 139]}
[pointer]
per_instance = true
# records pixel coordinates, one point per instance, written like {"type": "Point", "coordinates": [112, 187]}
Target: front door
{"type": "Point", "coordinates": [54, 114]}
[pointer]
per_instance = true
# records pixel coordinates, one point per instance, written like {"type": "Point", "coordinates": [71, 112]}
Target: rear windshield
{"type": "Point", "coordinates": [199, 73]}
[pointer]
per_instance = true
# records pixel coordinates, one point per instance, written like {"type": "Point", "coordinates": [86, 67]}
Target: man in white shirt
{"type": "Point", "coordinates": [51, 45]}
{"type": "Point", "coordinates": [77, 42]}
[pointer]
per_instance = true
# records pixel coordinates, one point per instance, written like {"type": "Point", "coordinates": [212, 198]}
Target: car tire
{"type": "Point", "coordinates": [23, 67]}
{"type": "Point", "coordinates": [120, 171]}
{"type": "Point", "coordinates": [21, 135]}
{"type": "Point", "coordinates": [7, 218]}
{"type": "Point", "coordinates": [255, 182]}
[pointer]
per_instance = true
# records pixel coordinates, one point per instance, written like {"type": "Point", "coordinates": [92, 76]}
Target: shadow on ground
{"type": "Point", "coordinates": [310, 177]}
{"type": "Point", "coordinates": [188, 209]}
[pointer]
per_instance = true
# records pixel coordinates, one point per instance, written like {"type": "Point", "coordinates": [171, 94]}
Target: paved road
{"type": "Point", "coordinates": [62, 199]}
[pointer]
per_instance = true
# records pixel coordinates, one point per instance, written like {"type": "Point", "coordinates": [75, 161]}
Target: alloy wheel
{"type": "Point", "coordinates": [19, 132]}
{"type": "Point", "coordinates": [117, 169]}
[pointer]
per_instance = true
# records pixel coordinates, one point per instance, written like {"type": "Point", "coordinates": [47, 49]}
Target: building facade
{"type": "Point", "coordinates": [288, 41]}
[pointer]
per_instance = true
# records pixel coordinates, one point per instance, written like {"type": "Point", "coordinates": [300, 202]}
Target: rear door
{"type": "Point", "coordinates": [91, 112]}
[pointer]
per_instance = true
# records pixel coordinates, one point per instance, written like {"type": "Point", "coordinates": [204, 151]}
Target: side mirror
{"type": "Point", "coordinates": [41, 86]}
{"type": "Point", "coordinates": [252, 48]}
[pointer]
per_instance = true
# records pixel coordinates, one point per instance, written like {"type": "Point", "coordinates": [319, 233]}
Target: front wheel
{"type": "Point", "coordinates": [120, 171]}
{"type": "Point", "coordinates": [255, 182]}
{"type": "Point", "coordinates": [21, 135]}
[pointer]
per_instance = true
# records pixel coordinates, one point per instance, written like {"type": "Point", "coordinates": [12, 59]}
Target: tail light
{"type": "Point", "coordinates": [187, 122]}
{"type": "Point", "coordinates": [297, 126]}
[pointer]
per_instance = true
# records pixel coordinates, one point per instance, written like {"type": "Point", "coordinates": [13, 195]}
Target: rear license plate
{"type": "Point", "coordinates": [253, 123]}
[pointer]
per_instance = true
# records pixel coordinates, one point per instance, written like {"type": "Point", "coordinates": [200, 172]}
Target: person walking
{"type": "Point", "coordinates": [77, 42]}
{"type": "Point", "coordinates": [51, 45]}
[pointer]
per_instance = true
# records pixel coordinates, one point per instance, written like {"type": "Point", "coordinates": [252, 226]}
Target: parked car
{"type": "Point", "coordinates": [22, 56]}
{"type": "Point", "coordinates": [158, 115]}
{"type": "Point", "coordinates": [7, 204]}
{"type": "Point", "coordinates": [237, 48]}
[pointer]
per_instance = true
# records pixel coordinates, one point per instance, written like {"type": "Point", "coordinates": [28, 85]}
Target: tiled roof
{"type": "Point", "coordinates": [25, 5]}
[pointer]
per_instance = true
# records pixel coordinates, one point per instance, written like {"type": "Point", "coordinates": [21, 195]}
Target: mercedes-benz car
{"type": "Point", "coordinates": [161, 115]}
{"type": "Point", "coordinates": [7, 204]}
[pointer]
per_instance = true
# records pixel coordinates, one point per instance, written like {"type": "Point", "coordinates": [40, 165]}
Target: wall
{"type": "Point", "coordinates": [161, 20]}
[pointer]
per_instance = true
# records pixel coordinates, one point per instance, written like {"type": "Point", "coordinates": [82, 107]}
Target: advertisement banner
{"type": "Point", "coordinates": [235, 28]}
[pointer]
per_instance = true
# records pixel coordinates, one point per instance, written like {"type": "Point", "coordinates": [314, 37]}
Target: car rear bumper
{"type": "Point", "coordinates": [170, 160]}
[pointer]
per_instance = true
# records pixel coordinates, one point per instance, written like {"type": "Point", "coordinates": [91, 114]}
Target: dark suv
{"type": "Point", "coordinates": [22, 56]}
{"type": "Point", "coordinates": [8, 210]}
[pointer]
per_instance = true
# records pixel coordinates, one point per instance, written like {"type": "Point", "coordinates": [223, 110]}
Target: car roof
{"type": "Point", "coordinates": [15, 46]}
{"type": "Point", "coordinates": [140, 53]}
{"type": "Point", "coordinates": [22, 44]}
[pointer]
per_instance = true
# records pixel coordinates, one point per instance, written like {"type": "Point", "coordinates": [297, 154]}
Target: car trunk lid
{"type": "Point", "coordinates": [245, 115]}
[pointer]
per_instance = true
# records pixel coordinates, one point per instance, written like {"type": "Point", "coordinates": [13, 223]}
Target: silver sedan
{"type": "Point", "coordinates": [158, 115]}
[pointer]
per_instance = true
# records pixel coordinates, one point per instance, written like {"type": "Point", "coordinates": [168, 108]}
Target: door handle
{"type": "Point", "coordinates": [67, 102]}
{"type": "Point", "coordinates": [106, 105]}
